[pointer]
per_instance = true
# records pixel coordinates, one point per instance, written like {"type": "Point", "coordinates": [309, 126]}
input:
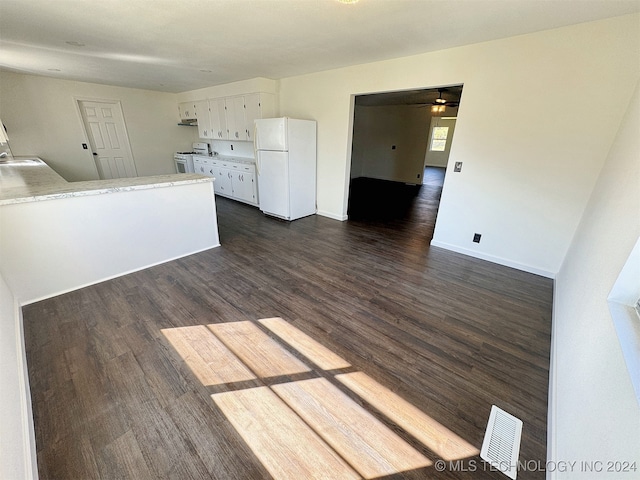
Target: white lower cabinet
{"type": "Point", "coordinates": [244, 185]}
{"type": "Point", "coordinates": [199, 165]}
{"type": "Point", "coordinates": [233, 179]}
{"type": "Point", "coordinates": [222, 185]}
{"type": "Point", "coordinates": [236, 180]}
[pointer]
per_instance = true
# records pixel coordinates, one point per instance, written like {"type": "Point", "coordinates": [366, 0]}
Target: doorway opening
{"type": "Point", "coordinates": [400, 151]}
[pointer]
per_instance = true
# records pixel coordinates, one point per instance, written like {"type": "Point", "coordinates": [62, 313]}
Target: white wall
{"type": "Point", "coordinates": [537, 117]}
{"type": "Point", "coordinates": [54, 246]}
{"type": "Point", "coordinates": [377, 129]}
{"type": "Point", "coordinates": [42, 120]}
{"type": "Point", "coordinates": [594, 414]}
{"type": "Point", "coordinates": [17, 439]}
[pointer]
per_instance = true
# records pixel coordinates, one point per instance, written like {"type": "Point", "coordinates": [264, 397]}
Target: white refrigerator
{"type": "Point", "coordinates": [286, 167]}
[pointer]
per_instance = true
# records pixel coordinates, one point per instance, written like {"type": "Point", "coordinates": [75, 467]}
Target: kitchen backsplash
{"type": "Point", "coordinates": [229, 148]}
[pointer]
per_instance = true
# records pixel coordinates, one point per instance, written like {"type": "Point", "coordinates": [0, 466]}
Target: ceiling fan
{"type": "Point", "coordinates": [443, 101]}
{"type": "Point", "coordinates": [439, 105]}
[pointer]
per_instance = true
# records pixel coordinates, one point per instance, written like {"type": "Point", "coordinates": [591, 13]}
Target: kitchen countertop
{"type": "Point", "coordinates": [223, 158]}
{"type": "Point", "coordinates": [30, 179]}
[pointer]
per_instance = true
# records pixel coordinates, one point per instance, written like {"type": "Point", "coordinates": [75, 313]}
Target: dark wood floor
{"type": "Point", "coordinates": [450, 334]}
{"type": "Point", "coordinates": [398, 205]}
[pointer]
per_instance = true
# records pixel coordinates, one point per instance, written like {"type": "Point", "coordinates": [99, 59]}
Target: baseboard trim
{"type": "Point", "coordinates": [323, 213]}
{"type": "Point", "coordinates": [552, 398]}
{"type": "Point", "coordinates": [111, 277]}
{"type": "Point", "coordinates": [28, 428]}
{"type": "Point", "coordinates": [494, 259]}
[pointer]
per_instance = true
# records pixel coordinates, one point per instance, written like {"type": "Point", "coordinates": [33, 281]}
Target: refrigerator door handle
{"type": "Point", "coordinates": [255, 130]}
{"type": "Point", "coordinates": [255, 149]}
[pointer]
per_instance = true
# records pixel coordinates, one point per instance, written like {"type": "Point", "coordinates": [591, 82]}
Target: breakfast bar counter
{"type": "Point", "coordinates": [30, 179]}
{"type": "Point", "coordinates": [57, 236]}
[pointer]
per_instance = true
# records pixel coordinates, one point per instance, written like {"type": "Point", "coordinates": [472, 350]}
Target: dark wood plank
{"type": "Point", "coordinates": [450, 334]}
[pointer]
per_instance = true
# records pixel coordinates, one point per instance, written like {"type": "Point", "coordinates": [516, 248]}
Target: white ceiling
{"type": "Point", "coordinates": [166, 44]}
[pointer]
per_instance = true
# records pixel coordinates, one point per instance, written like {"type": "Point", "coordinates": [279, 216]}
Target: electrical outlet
{"type": "Point", "coordinates": [476, 238]}
{"type": "Point", "coordinates": [457, 167]}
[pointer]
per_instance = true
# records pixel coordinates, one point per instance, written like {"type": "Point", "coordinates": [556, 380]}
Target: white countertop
{"type": "Point", "coordinates": [223, 158]}
{"type": "Point", "coordinates": [29, 179]}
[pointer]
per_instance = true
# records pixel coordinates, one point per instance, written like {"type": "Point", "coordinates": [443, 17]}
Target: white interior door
{"type": "Point", "coordinates": [104, 124]}
{"type": "Point", "coordinates": [273, 183]}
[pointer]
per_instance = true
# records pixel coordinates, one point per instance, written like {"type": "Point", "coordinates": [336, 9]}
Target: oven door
{"type": "Point", "coordinates": [181, 164]}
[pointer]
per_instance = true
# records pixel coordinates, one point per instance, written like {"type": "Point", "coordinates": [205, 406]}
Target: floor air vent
{"type": "Point", "coordinates": [501, 445]}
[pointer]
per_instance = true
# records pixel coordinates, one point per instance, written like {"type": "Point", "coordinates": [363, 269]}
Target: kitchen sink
{"type": "Point", "coordinates": [19, 161]}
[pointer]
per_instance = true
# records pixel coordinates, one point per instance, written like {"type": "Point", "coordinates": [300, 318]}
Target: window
{"type": "Point", "coordinates": [439, 139]}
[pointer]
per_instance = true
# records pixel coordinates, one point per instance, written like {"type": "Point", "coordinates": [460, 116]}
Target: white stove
{"type": "Point", "coordinates": [184, 160]}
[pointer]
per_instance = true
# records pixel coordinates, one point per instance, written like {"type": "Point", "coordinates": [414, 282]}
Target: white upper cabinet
{"type": "Point", "coordinates": [204, 119]}
{"type": "Point", "coordinates": [229, 118]}
{"type": "Point", "coordinates": [218, 119]}
{"type": "Point", "coordinates": [257, 105]}
{"type": "Point", "coordinates": [243, 110]}
{"type": "Point", "coordinates": [236, 126]}
{"type": "Point", "coordinates": [187, 110]}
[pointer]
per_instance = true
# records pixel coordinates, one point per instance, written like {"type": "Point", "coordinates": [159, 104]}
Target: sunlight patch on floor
{"type": "Point", "coordinates": [307, 346]}
{"type": "Point", "coordinates": [369, 446]}
{"type": "Point", "coordinates": [430, 433]}
{"type": "Point", "coordinates": [262, 354]}
{"type": "Point", "coordinates": [282, 441]}
{"type": "Point", "coordinates": [309, 428]}
{"type": "Point", "coordinates": [206, 356]}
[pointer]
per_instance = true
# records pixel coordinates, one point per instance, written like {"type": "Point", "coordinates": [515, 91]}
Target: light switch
{"type": "Point", "coordinates": [457, 167]}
